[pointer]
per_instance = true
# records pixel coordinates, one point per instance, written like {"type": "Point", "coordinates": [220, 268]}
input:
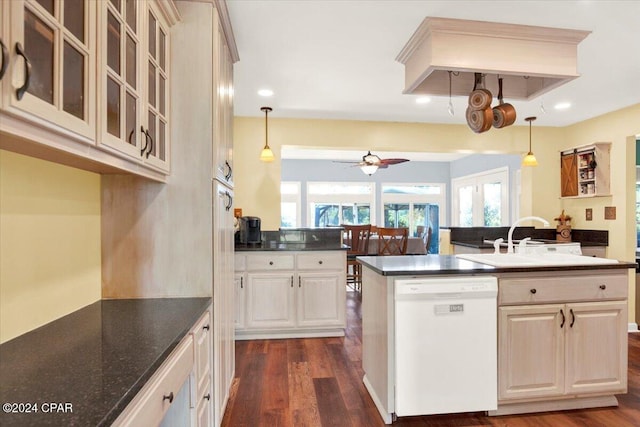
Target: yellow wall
{"type": "Point", "coordinates": [257, 184]}
{"type": "Point", "coordinates": [49, 242]}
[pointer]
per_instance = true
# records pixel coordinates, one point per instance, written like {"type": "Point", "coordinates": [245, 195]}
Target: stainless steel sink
{"type": "Point", "coordinates": [535, 260]}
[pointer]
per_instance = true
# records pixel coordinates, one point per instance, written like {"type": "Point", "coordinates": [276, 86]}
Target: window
{"type": "Point", "coordinates": [290, 204]}
{"type": "Point", "coordinates": [335, 203]}
{"type": "Point", "coordinates": [416, 206]}
{"type": "Point", "coordinates": [481, 199]}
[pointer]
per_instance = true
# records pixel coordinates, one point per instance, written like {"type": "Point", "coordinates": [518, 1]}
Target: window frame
{"type": "Point", "coordinates": [340, 198]}
{"type": "Point", "coordinates": [411, 199]}
{"type": "Point", "coordinates": [477, 180]}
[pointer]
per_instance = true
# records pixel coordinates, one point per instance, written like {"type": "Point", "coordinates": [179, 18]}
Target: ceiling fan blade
{"type": "Point", "coordinates": [393, 161]}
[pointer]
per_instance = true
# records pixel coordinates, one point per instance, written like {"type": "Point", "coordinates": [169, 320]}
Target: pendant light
{"type": "Point", "coordinates": [529, 159]}
{"type": "Point", "coordinates": [266, 155]}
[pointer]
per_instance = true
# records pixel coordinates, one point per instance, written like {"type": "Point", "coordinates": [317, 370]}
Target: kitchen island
{"type": "Point", "coordinates": [561, 330]}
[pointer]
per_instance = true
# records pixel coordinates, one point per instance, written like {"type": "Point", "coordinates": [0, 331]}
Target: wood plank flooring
{"type": "Point", "coordinates": [318, 382]}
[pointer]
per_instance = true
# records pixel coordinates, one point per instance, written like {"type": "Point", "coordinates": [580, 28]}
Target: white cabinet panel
{"type": "Point", "coordinates": [270, 300]}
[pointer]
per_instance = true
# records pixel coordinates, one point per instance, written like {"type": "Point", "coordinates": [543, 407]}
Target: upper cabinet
{"type": "Point", "coordinates": [585, 171]}
{"type": "Point", "coordinates": [87, 83]}
{"type": "Point", "coordinates": [223, 123]}
{"type": "Point", "coordinates": [51, 58]}
{"type": "Point", "coordinates": [134, 92]}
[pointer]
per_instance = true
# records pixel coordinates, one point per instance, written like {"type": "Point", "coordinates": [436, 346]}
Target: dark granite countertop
{"type": "Point", "coordinates": [424, 265]}
{"type": "Point", "coordinates": [96, 359]}
{"type": "Point", "coordinates": [292, 246]}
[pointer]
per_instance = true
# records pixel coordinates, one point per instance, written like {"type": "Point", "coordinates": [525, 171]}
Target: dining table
{"type": "Point", "coordinates": [415, 245]}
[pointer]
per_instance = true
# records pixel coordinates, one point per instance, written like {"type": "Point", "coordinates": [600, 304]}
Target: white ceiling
{"type": "Point", "coordinates": [336, 59]}
{"type": "Point", "coordinates": [351, 155]}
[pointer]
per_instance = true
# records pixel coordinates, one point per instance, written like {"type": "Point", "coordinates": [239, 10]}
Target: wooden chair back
{"type": "Point", "coordinates": [357, 236]}
{"type": "Point", "coordinates": [427, 238]}
{"type": "Point", "coordinates": [392, 241]}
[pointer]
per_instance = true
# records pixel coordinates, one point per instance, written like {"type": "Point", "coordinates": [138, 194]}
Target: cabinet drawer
{"type": "Point", "coordinates": [240, 262]}
{"type": "Point", "coordinates": [152, 402]}
{"type": "Point", "coordinates": [270, 262]}
{"type": "Point", "coordinates": [321, 261]}
{"type": "Point", "coordinates": [540, 290]}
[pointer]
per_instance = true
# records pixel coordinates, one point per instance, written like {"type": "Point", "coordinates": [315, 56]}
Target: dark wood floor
{"type": "Point", "coordinates": [318, 382]}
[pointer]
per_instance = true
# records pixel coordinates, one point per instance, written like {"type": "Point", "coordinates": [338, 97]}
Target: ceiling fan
{"type": "Point", "coordinates": [371, 163]}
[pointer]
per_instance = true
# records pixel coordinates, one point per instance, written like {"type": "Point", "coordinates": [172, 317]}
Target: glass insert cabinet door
{"type": "Point", "coordinates": [134, 104]}
{"type": "Point", "coordinates": [52, 55]}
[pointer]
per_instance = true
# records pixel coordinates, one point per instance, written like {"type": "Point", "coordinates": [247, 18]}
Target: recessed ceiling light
{"type": "Point", "coordinates": [265, 92]}
{"type": "Point", "coordinates": [562, 105]}
{"type": "Point", "coordinates": [423, 100]}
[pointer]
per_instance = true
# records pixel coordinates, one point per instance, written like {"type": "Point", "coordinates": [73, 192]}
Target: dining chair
{"type": "Point", "coordinates": [357, 237]}
{"type": "Point", "coordinates": [427, 239]}
{"type": "Point", "coordinates": [392, 241]}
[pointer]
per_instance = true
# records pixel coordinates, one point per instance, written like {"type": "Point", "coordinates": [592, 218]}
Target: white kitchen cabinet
{"type": "Point", "coordinates": [223, 117]}
{"type": "Point", "coordinates": [240, 299]}
{"type": "Point", "coordinates": [134, 72]}
{"type": "Point", "coordinates": [153, 401]}
{"type": "Point", "coordinates": [320, 300]}
{"type": "Point", "coordinates": [293, 294]}
{"type": "Point", "coordinates": [202, 372]}
{"type": "Point", "coordinates": [547, 328]}
{"type": "Point", "coordinates": [223, 298]}
{"type": "Point", "coordinates": [270, 300]}
{"type": "Point", "coordinates": [321, 288]}
{"type": "Point", "coordinates": [50, 80]}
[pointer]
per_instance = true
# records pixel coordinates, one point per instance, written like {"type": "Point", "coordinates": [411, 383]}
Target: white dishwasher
{"type": "Point", "coordinates": [446, 345]}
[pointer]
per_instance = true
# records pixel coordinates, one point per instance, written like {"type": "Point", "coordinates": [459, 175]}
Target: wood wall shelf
{"type": "Point", "coordinates": [585, 171]}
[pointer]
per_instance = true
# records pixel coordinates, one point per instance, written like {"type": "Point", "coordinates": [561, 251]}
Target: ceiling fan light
{"type": "Point", "coordinates": [371, 159]}
{"type": "Point", "coordinates": [369, 169]}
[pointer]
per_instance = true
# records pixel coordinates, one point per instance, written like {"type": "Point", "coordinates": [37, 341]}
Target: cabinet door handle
{"type": "Point", "coordinates": [563, 318]}
{"type": "Point", "coordinates": [229, 170]}
{"type": "Point", "coordinates": [292, 281]}
{"type": "Point", "coordinates": [270, 262]}
{"type": "Point", "coordinates": [241, 284]}
{"type": "Point", "coordinates": [230, 201]}
{"type": "Point", "coordinates": [533, 291]}
{"type": "Point", "coordinates": [168, 397]}
{"type": "Point", "coordinates": [573, 318]}
{"type": "Point", "coordinates": [27, 72]}
{"type": "Point", "coordinates": [146, 132]}
{"type": "Point", "coordinates": [299, 282]}
{"type": "Point", "coordinates": [320, 262]}
{"type": "Point", "coordinates": [146, 141]}
{"type": "Point", "coordinates": [5, 59]}
{"type": "Point", "coordinates": [207, 396]}
{"type": "Point", "coordinates": [603, 287]}
{"type": "Point", "coordinates": [205, 327]}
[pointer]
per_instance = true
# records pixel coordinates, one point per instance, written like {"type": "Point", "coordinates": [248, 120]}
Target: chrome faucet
{"type": "Point", "coordinates": [513, 227]}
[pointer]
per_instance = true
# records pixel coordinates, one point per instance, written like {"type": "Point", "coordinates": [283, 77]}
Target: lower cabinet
{"type": "Point", "coordinates": [294, 294]}
{"type": "Point", "coordinates": [179, 392]}
{"type": "Point", "coordinates": [551, 348]}
{"type": "Point", "coordinates": [270, 300]}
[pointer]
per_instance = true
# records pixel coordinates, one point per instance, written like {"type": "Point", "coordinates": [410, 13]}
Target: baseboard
{"type": "Point", "coordinates": [555, 405]}
{"type": "Point", "coordinates": [633, 327]}
{"type": "Point", "coordinates": [281, 334]}
{"type": "Point", "coordinates": [387, 418]}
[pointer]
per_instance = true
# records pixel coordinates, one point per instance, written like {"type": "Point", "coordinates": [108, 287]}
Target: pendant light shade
{"type": "Point", "coordinates": [267, 154]}
{"type": "Point", "coordinates": [530, 158]}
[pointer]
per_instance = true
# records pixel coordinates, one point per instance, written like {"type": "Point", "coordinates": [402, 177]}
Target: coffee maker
{"type": "Point", "coordinates": [250, 230]}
